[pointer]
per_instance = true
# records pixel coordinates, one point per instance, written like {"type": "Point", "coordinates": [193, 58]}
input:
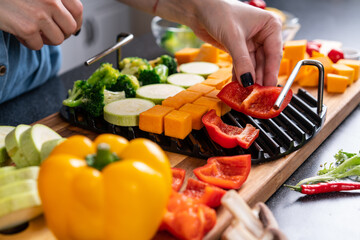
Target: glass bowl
{"type": "Point", "coordinates": [173, 36]}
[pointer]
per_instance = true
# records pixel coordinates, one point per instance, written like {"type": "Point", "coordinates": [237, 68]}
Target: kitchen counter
{"type": "Point", "coordinates": [326, 216]}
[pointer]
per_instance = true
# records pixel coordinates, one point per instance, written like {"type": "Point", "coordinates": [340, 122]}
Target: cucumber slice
{"type": "Point", "coordinates": [4, 157]}
{"type": "Point", "coordinates": [158, 92]}
{"type": "Point", "coordinates": [48, 146]}
{"type": "Point", "coordinates": [32, 140]}
{"type": "Point", "coordinates": [126, 112]}
{"type": "Point", "coordinates": [12, 144]}
{"type": "Point", "coordinates": [14, 203]}
{"type": "Point", "coordinates": [19, 174]}
{"type": "Point", "coordinates": [185, 80]}
{"type": "Point", "coordinates": [201, 68]}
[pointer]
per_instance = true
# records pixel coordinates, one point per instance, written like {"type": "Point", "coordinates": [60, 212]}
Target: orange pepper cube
{"type": "Point", "coordinates": [208, 53]}
{"type": "Point", "coordinates": [211, 103]}
{"type": "Point", "coordinates": [213, 93]}
{"type": "Point", "coordinates": [336, 83]}
{"type": "Point", "coordinates": [284, 67]}
{"type": "Point", "coordinates": [152, 120]}
{"type": "Point", "coordinates": [177, 124]}
{"type": "Point", "coordinates": [201, 88]}
{"type": "Point", "coordinates": [196, 112]}
{"type": "Point", "coordinates": [174, 102]}
{"type": "Point", "coordinates": [354, 64]}
{"type": "Point", "coordinates": [294, 51]}
{"type": "Point", "coordinates": [345, 71]}
{"type": "Point", "coordinates": [188, 96]}
{"type": "Point", "coordinates": [186, 55]}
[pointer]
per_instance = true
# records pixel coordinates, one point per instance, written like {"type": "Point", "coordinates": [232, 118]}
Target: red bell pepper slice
{"type": "Point", "coordinates": [187, 219]}
{"type": "Point", "coordinates": [256, 101]}
{"type": "Point", "coordinates": [178, 176]}
{"type": "Point", "coordinates": [312, 46]}
{"type": "Point", "coordinates": [335, 55]}
{"type": "Point", "coordinates": [225, 172]}
{"type": "Point", "coordinates": [204, 193]}
{"type": "Point", "coordinates": [226, 135]}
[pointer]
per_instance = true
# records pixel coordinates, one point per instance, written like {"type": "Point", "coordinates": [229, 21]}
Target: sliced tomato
{"type": "Point", "coordinates": [226, 135]}
{"type": "Point", "coordinates": [178, 176]}
{"type": "Point", "coordinates": [256, 101]}
{"type": "Point", "coordinates": [228, 172]}
{"type": "Point", "coordinates": [204, 193]}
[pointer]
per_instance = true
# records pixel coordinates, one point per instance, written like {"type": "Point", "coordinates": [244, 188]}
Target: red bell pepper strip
{"type": "Point", "coordinates": [335, 55]}
{"type": "Point", "coordinates": [225, 172]}
{"type": "Point", "coordinates": [325, 187]}
{"type": "Point", "coordinates": [226, 135]}
{"type": "Point", "coordinates": [256, 101]}
{"type": "Point", "coordinates": [204, 193]}
{"type": "Point", "coordinates": [187, 219]}
{"type": "Point", "coordinates": [178, 176]}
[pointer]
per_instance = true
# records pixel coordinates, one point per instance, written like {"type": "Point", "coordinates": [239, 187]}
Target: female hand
{"type": "Point", "coordinates": [39, 22]}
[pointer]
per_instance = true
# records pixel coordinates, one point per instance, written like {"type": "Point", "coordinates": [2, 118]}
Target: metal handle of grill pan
{"type": "Point", "coordinates": [291, 79]}
{"type": "Point", "coordinates": [123, 38]}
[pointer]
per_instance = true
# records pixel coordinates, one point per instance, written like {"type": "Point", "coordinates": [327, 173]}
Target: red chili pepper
{"type": "Point", "coordinates": [204, 193]}
{"type": "Point", "coordinates": [187, 219]}
{"type": "Point", "coordinates": [225, 172]}
{"type": "Point", "coordinates": [226, 135]}
{"type": "Point", "coordinates": [325, 187]}
{"type": "Point", "coordinates": [178, 176]}
{"type": "Point", "coordinates": [335, 55]}
{"type": "Point", "coordinates": [258, 3]}
{"type": "Point", "coordinates": [256, 101]}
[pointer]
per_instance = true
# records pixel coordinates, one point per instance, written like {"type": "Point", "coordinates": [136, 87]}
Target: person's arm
{"type": "Point", "coordinates": [39, 22]}
{"type": "Point", "coordinates": [252, 36]}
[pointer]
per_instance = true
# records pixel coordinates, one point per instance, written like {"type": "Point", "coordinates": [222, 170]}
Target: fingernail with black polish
{"type": "Point", "coordinates": [246, 79]}
{"type": "Point", "coordinates": [78, 32]}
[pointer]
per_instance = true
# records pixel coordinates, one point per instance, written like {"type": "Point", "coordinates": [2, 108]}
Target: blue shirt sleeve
{"type": "Point", "coordinates": [25, 68]}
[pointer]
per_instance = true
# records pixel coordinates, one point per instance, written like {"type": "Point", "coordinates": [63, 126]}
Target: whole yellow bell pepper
{"type": "Point", "coordinates": [106, 189]}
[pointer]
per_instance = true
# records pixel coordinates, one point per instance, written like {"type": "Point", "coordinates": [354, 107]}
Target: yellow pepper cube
{"type": "Point", "coordinates": [217, 83]}
{"type": "Point", "coordinates": [188, 96]}
{"type": "Point", "coordinates": [223, 73]}
{"type": "Point", "coordinates": [196, 112]}
{"type": "Point", "coordinates": [177, 124]}
{"type": "Point", "coordinates": [186, 55]}
{"type": "Point", "coordinates": [174, 102]}
{"type": "Point", "coordinates": [354, 64]}
{"type": "Point", "coordinates": [208, 53]}
{"type": "Point", "coordinates": [211, 103]}
{"type": "Point", "coordinates": [201, 88]}
{"type": "Point", "coordinates": [336, 83]}
{"type": "Point", "coordinates": [152, 120]}
{"type": "Point", "coordinates": [294, 51]}
{"type": "Point", "coordinates": [345, 71]}
{"type": "Point", "coordinates": [284, 67]}
{"type": "Point", "coordinates": [213, 93]}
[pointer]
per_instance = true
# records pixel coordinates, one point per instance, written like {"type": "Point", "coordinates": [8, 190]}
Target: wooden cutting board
{"type": "Point", "coordinates": [264, 179]}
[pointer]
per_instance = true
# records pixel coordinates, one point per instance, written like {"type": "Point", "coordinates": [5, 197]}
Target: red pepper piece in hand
{"type": "Point", "coordinates": [335, 55]}
{"type": "Point", "coordinates": [256, 101]}
{"type": "Point", "coordinates": [325, 187]}
{"type": "Point", "coordinates": [178, 176]}
{"type": "Point", "coordinates": [204, 193]}
{"type": "Point", "coordinates": [186, 219]}
{"type": "Point", "coordinates": [258, 3]}
{"type": "Point", "coordinates": [226, 135]}
{"type": "Point", "coordinates": [225, 172]}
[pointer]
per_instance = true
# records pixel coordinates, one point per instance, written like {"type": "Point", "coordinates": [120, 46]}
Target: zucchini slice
{"type": "Point", "coordinates": [185, 80]}
{"type": "Point", "coordinates": [158, 92]}
{"type": "Point", "coordinates": [201, 68]}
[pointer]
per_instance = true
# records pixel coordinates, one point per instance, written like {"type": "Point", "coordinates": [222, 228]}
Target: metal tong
{"type": "Point", "coordinates": [123, 38]}
{"type": "Point", "coordinates": [291, 79]}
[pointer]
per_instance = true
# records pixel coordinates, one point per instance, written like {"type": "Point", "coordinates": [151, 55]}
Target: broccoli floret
{"type": "Point", "coordinates": [133, 66]}
{"type": "Point", "coordinates": [157, 75]}
{"type": "Point", "coordinates": [105, 73]}
{"type": "Point", "coordinates": [76, 94]}
{"type": "Point", "coordinates": [127, 83]}
{"type": "Point", "coordinates": [166, 60]}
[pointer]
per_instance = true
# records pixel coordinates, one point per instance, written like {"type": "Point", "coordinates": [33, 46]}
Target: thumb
{"type": "Point", "coordinates": [243, 66]}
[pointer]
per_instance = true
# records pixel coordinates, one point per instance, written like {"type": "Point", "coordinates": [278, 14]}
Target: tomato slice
{"type": "Point", "coordinates": [226, 135]}
{"type": "Point", "coordinates": [204, 193]}
{"type": "Point", "coordinates": [256, 101]}
{"type": "Point", "coordinates": [228, 172]}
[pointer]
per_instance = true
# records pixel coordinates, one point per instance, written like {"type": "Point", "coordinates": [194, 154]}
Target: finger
{"type": "Point", "coordinates": [75, 8]}
{"type": "Point", "coordinates": [33, 41]}
{"type": "Point", "coordinates": [260, 64]}
{"type": "Point", "coordinates": [273, 53]}
{"type": "Point", "coordinates": [66, 22]}
{"type": "Point", "coordinates": [50, 32]}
